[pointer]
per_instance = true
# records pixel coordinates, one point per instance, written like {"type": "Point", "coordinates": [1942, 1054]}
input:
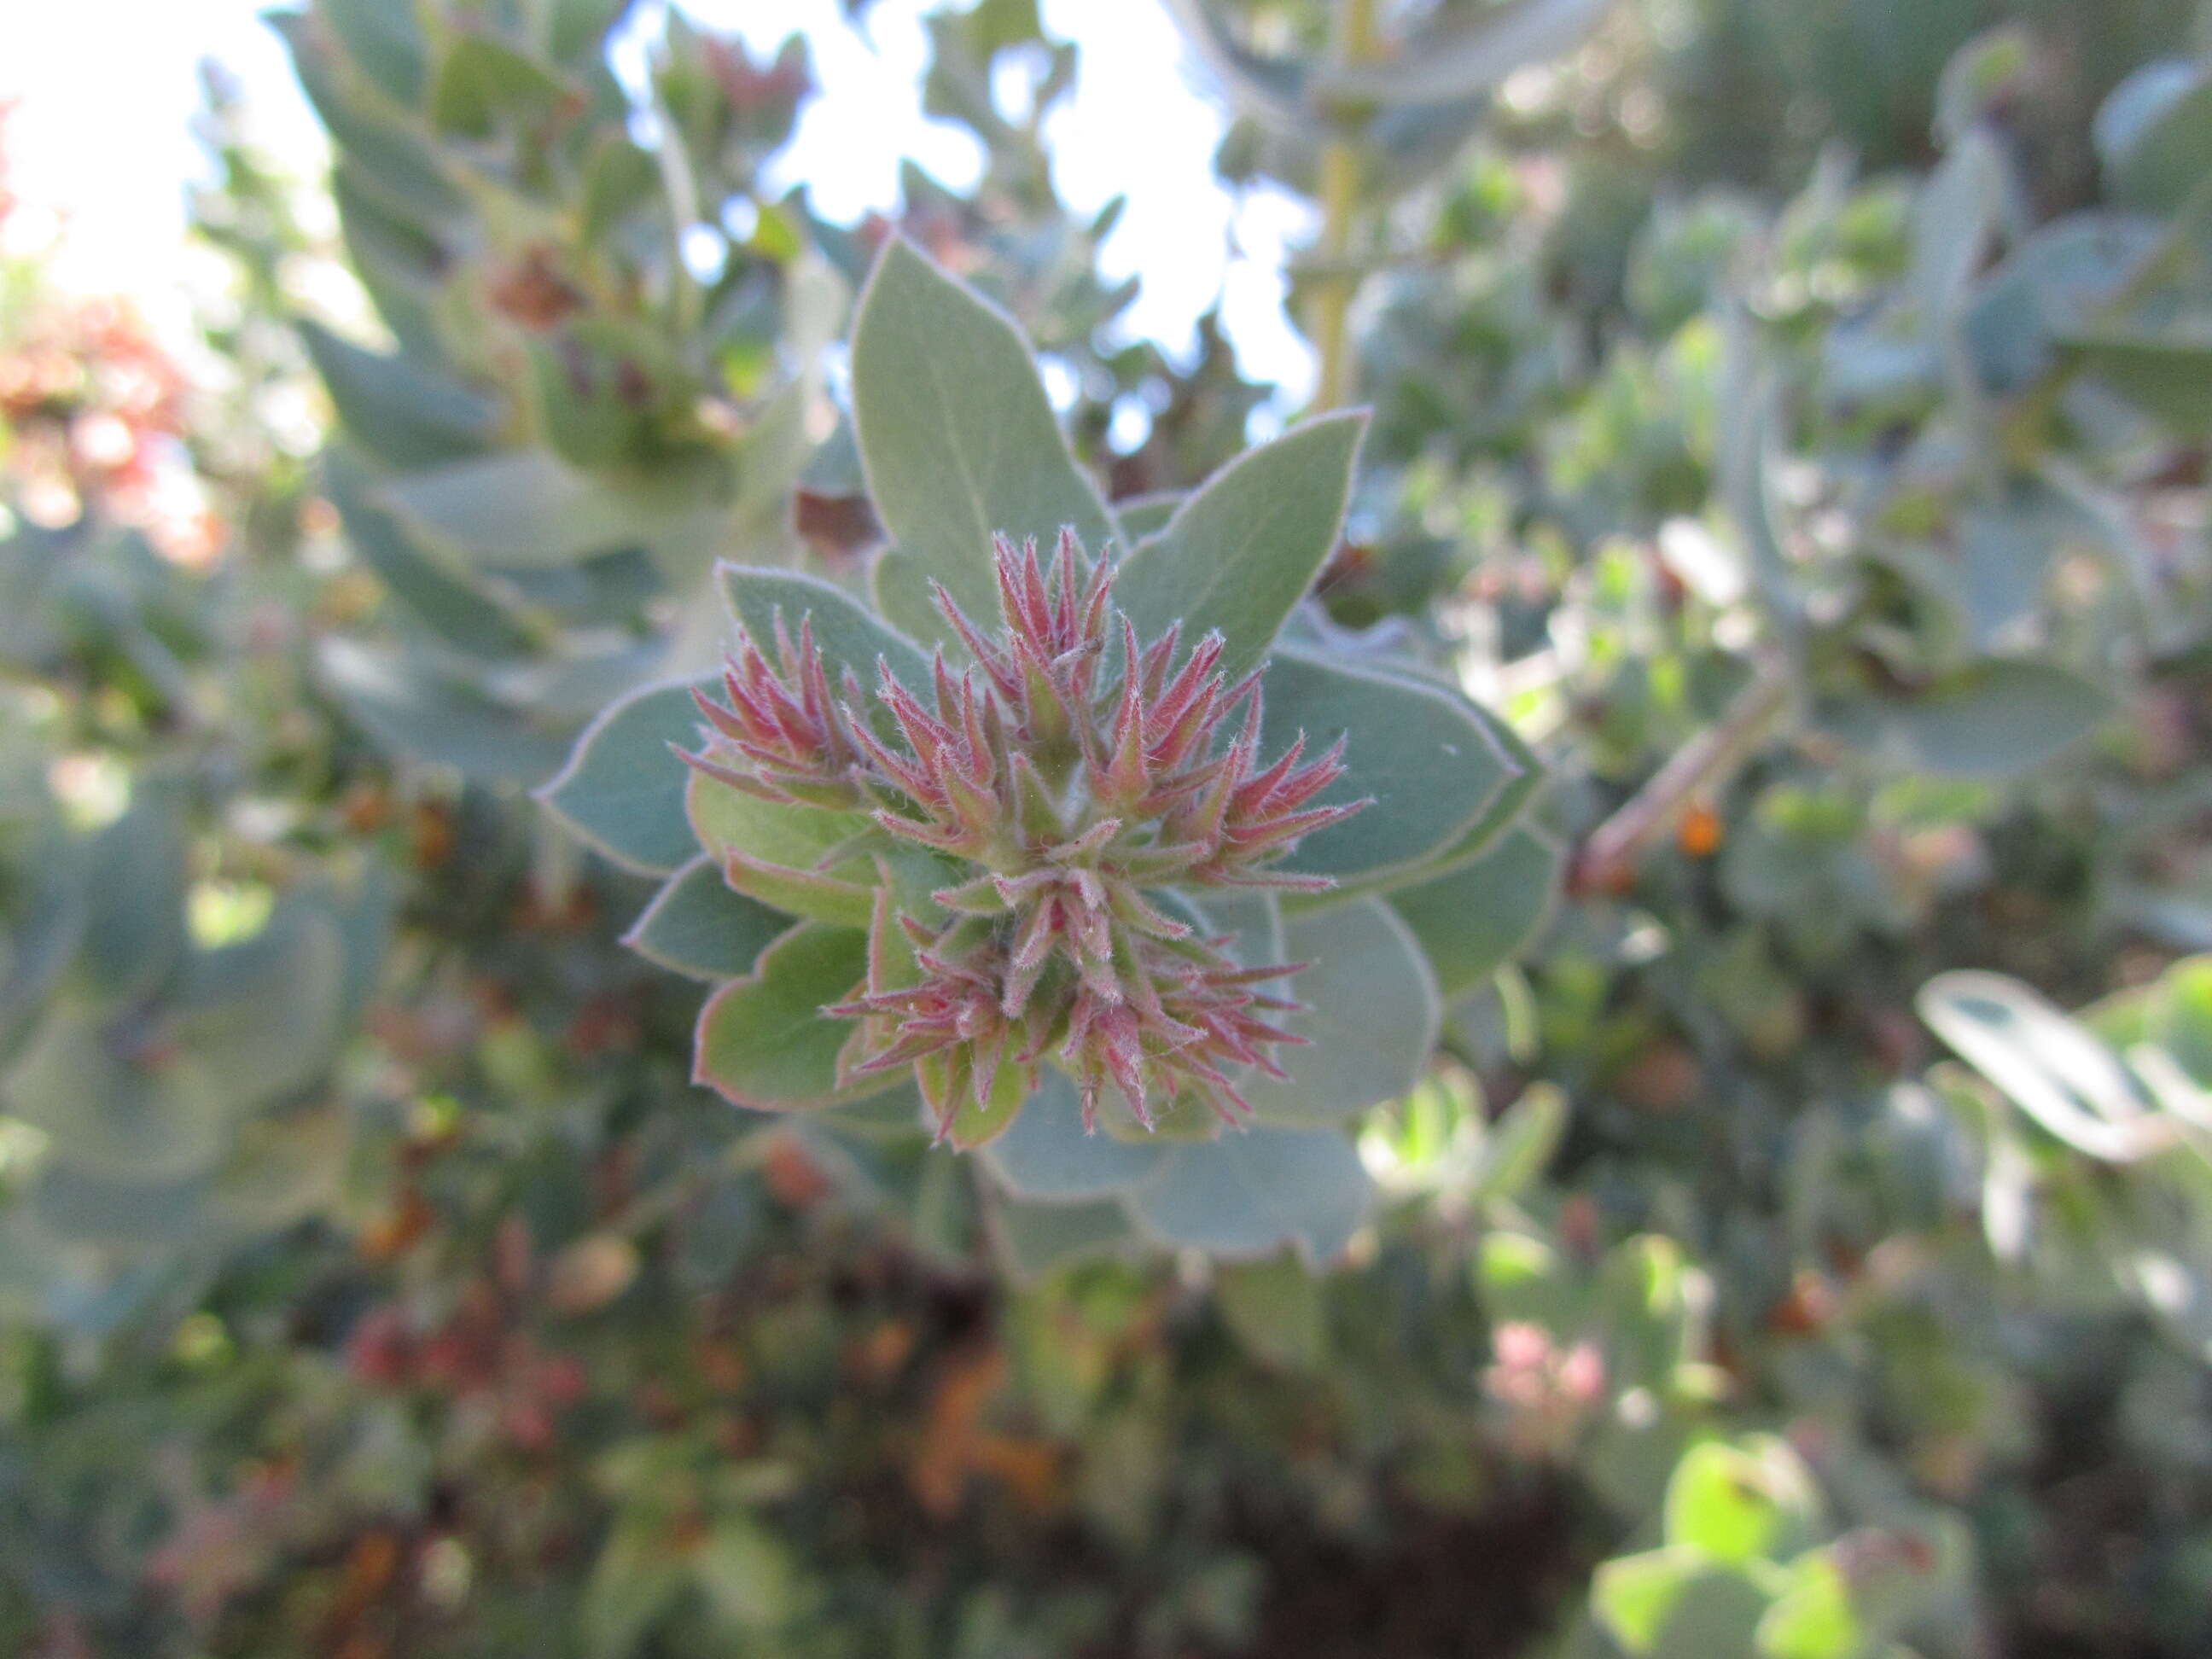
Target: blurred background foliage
{"type": "Point", "coordinates": [1791, 416]}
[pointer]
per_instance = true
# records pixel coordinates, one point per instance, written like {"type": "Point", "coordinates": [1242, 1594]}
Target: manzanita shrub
{"type": "Point", "coordinates": [722, 932]}
{"type": "Point", "coordinates": [1060, 825]}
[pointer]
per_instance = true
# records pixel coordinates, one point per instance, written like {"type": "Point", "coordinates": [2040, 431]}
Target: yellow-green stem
{"type": "Point", "coordinates": [1358, 41]}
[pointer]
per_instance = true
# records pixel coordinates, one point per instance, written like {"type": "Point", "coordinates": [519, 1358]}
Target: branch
{"type": "Point", "coordinates": [1358, 41]}
{"type": "Point", "coordinates": [1607, 861]}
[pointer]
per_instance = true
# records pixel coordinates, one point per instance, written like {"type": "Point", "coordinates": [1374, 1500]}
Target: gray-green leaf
{"type": "Point", "coordinates": [1248, 1194]}
{"type": "Point", "coordinates": [957, 436]}
{"type": "Point", "coordinates": [697, 926]}
{"type": "Point", "coordinates": [1473, 920]}
{"type": "Point", "coordinates": [846, 633]}
{"type": "Point", "coordinates": [764, 1042]}
{"type": "Point", "coordinates": [1991, 720]}
{"type": "Point", "coordinates": [623, 790]}
{"type": "Point", "coordinates": [1046, 1156]}
{"type": "Point", "coordinates": [1240, 553]}
{"type": "Point", "coordinates": [1432, 768]}
{"type": "Point", "coordinates": [1371, 1016]}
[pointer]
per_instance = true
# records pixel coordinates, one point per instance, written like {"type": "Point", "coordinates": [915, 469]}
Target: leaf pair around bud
{"type": "Point", "coordinates": [1067, 786]}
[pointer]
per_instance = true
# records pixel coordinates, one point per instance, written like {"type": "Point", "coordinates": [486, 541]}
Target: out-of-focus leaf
{"type": "Point", "coordinates": [2052, 1067]}
{"type": "Point", "coordinates": [134, 890]}
{"type": "Point", "coordinates": [123, 1104]}
{"type": "Point", "coordinates": [1463, 53]}
{"type": "Point", "coordinates": [590, 1272]}
{"type": "Point", "coordinates": [1247, 1195]}
{"type": "Point", "coordinates": [1812, 1617]}
{"type": "Point", "coordinates": [384, 43]}
{"type": "Point", "coordinates": [526, 509]}
{"type": "Point", "coordinates": [1989, 721]}
{"type": "Point", "coordinates": [1676, 1603]}
{"type": "Point", "coordinates": [480, 83]}
{"type": "Point", "coordinates": [2152, 134]}
{"type": "Point", "coordinates": [420, 714]}
{"type": "Point", "coordinates": [2050, 288]}
{"type": "Point", "coordinates": [634, 1581]}
{"type": "Point", "coordinates": [750, 1579]}
{"type": "Point", "coordinates": [459, 614]}
{"type": "Point", "coordinates": [262, 1014]}
{"type": "Point", "coordinates": [396, 409]}
{"type": "Point", "coordinates": [1033, 1239]}
{"type": "Point", "coordinates": [1741, 1503]}
{"type": "Point", "coordinates": [1275, 1310]}
{"type": "Point", "coordinates": [1519, 1146]}
{"type": "Point", "coordinates": [1144, 516]}
{"type": "Point", "coordinates": [2169, 377]}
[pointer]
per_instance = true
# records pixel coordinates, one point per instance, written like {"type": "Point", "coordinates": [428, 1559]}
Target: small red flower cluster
{"type": "Point", "coordinates": [1074, 780]}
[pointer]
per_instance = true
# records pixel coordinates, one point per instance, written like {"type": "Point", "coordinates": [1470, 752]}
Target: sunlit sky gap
{"type": "Point", "coordinates": [106, 91]}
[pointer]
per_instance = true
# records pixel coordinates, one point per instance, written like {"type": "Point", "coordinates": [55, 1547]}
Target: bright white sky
{"type": "Point", "coordinates": [107, 89]}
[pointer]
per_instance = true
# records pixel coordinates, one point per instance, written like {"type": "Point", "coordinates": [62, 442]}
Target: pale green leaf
{"type": "Point", "coordinates": [774, 851]}
{"type": "Point", "coordinates": [1475, 920]}
{"type": "Point", "coordinates": [1248, 1194]}
{"type": "Point", "coordinates": [1432, 768]}
{"type": "Point", "coordinates": [763, 1041]}
{"type": "Point", "coordinates": [1047, 1157]}
{"type": "Point", "coordinates": [1142, 516]}
{"type": "Point", "coordinates": [1752, 1501]}
{"type": "Point", "coordinates": [623, 790]}
{"type": "Point", "coordinates": [1989, 721]}
{"type": "Point", "coordinates": [1370, 1017]}
{"type": "Point", "coordinates": [957, 437]}
{"type": "Point", "coordinates": [696, 924]}
{"type": "Point", "coordinates": [1241, 552]}
{"type": "Point", "coordinates": [846, 633]}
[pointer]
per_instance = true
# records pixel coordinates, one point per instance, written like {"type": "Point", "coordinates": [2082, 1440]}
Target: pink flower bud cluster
{"type": "Point", "coordinates": [1547, 1390]}
{"type": "Point", "coordinates": [1067, 782]}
